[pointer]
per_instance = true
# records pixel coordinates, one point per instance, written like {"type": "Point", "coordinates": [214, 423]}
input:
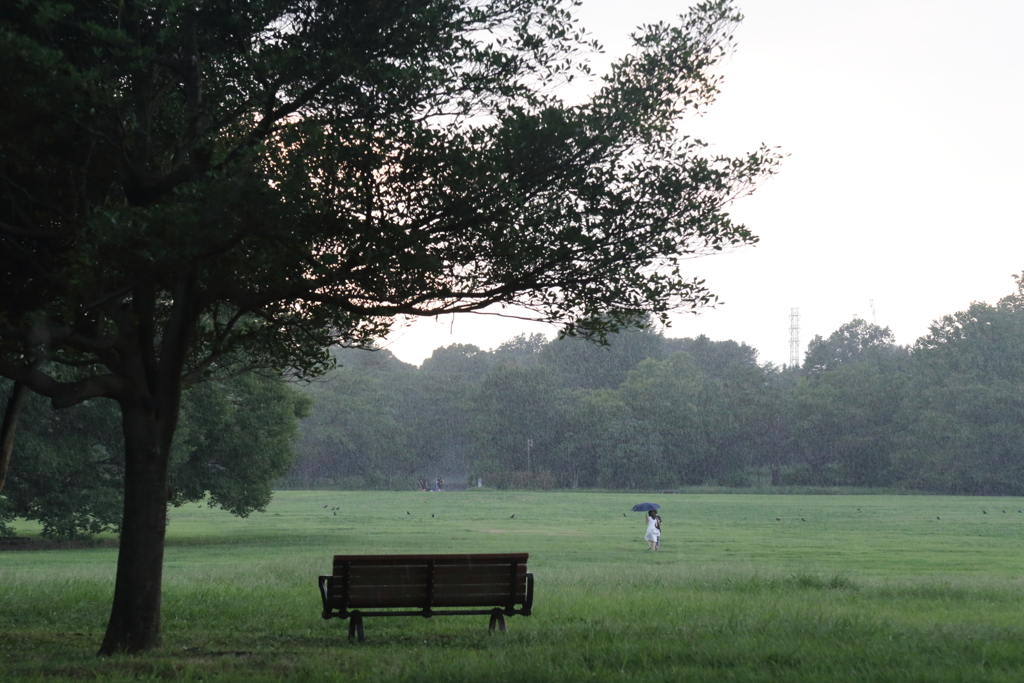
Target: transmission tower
{"type": "Point", "coordinates": [794, 337]}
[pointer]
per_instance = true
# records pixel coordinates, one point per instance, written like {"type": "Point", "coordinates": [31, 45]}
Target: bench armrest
{"type": "Point", "coordinates": [325, 587]}
{"type": "Point", "coordinates": [528, 602]}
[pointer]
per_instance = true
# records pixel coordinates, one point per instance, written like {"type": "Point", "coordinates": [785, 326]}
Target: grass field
{"type": "Point", "coordinates": [745, 588]}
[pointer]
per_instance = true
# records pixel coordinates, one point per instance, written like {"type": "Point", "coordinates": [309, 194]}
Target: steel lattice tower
{"type": "Point", "coordinates": [794, 337]}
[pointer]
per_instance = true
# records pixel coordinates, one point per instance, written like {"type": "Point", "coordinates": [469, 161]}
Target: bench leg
{"type": "Point", "coordinates": [496, 618]}
{"type": "Point", "coordinates": [355, 626]}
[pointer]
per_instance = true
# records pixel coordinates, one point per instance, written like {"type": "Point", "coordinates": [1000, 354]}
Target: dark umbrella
{"type": "Point", "coordinates": [644, 507]}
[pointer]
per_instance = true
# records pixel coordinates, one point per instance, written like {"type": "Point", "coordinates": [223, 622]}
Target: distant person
{"type": "Point", "coordinates": [653, 532]}
{"type": "Point", "coordinates": [657, 525]}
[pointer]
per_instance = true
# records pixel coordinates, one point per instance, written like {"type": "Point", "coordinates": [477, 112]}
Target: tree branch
{"type": "Point", "coordinates": [62, 394]}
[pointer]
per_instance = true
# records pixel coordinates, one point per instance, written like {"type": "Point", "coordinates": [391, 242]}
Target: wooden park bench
{"type": "Point", "coordinates": [427, 585]}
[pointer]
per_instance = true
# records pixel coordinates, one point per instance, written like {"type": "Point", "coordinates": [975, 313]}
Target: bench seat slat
{"type": "Point", "coordinates": [442, 596]}
{"type": "Point", "coordinates": [443, 573]}
{"type": "Point", "coordinates": [453, 560]}
{"type": "Point", "coordinates": [390, 600]}
{"type": "Point", "coordinates": [386, 574]}
{"type": "Point", "coordinates": [483, 601]}
{"type": "Point", "coordinates": [440, 593]}
{"type": "Point", "coordinates": [519, 584]}
{"type": "Point", "coordinates": [491, 596]}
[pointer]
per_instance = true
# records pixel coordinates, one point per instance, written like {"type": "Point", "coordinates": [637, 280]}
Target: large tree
{"type": "Point", "coordinates": [187, 187]}
{"type": "Point", "coordinates": [966, 402]}
{"type": "Point", "coordinates": [351, 435]}
{"type": "Point", "coordinates": [583, 365]}
{"type": "Point", "coordinates": [855, 341]}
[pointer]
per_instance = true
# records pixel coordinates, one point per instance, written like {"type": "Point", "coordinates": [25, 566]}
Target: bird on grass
{"type": "Point", "coordinates": [983, 512]}
{"type": "Point", "coordinates": [431, 514]}
{"type": "Point", "coordinates": [325, 506]}
{"type": "Point", "coordinates": [778, 519]}
{"type": "Point", "coordinates": [407, 512]}
{"type": "Point", "coordinates": [802, 519]}
{"type": "Point", "coordinates": [335, 514]}
{"type": "Point", "coordinates": [937, 517]}
{"type": "Point", "coordinates": [623, 514]}
{"type": "Point", "coordinates": [512, 517]}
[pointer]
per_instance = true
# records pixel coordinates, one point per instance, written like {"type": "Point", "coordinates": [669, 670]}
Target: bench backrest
{"type": "Point", "coordinates": [425, 581]}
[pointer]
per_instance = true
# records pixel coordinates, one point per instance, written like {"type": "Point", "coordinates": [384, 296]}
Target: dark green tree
{"type": "Point", "coordinates": [235, 439]}
{"type": "Point", "coordinates": [190, 187]}
{"type": "Point", "coordinates": [67, 470]}
{"type": "Point", "coordinates": [737, 410]}
{"type": "Point", "coordinates": [588, 419]}
{"type": "Point", "coordinates": [465, 361]}
{"type": "Point", "coordinates": [667, 396]}
{"type": "Point", "coordinates": [439, 411]}
{"type": "Point", "coordinates": [852, 342]}
{"type": "Point", "coordinates": [518, 414]}
{"type": "Point", "coordinates": [846, 409]}
{"type": "Point", "coordinates": [846, 421]}
{"type": "Point", "coordinates": [632, 455]}
{"type": "Point", "coordinates": [522, 350]}
{"type": "Point", "coordinates": [966, 423]}
{"type": "Point", "coordinates": [584, 365]}
{"type": "Point", "coordinates": [740, 409]}
{"type": "Point", "coordinates": [715, 358]}
{"type": "Point", "coordinates": [352, 436]}
{"type": "Point", "coordinates": [774, 449]}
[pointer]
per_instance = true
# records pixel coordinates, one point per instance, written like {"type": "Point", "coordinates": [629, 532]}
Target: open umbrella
{"type": "Point", "coordinates": [644, 507]}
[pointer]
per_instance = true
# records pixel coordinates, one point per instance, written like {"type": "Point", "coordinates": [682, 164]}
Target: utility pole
{"type": "Point", "coordinates": [794, 337]}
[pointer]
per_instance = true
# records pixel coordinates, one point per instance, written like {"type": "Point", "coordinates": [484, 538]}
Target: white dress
{"type": "Point", "coordinates": [652, 529]}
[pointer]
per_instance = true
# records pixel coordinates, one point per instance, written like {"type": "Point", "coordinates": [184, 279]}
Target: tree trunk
{"type": "Point", "coordinates": [134, 624]}
{"type": "Point", "coordinates": [149, 416]}
{"type": "Point", "coordinates": [12, 413]}
{"type": "Point", "coordinates": [8, 429]}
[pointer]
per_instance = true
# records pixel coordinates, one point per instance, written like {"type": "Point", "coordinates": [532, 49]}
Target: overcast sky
{"type": "Point", "coordinates": [904, 125]}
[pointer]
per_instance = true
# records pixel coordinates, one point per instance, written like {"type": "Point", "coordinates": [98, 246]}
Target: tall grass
{"type": "Point", "coordinates": [745, 588]}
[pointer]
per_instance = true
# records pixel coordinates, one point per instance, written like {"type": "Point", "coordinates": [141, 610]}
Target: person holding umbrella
{"type": "Point", "coordinates": [653, 534]}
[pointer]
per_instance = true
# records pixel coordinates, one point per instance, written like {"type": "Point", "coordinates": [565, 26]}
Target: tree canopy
{"type": "Point", "coordinates": [191, 187]}
{"type": "Point", "coordinates": [851, 343]}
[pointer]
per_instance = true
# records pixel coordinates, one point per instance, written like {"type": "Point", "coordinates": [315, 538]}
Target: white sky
{"type": "Point", "coordinates": [904, 125]}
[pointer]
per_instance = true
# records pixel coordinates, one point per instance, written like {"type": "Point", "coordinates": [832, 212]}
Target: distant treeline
{"type": "Point", "coordinates": [643, 412]}
{"type": "Point", "coordinates": [945, 415]}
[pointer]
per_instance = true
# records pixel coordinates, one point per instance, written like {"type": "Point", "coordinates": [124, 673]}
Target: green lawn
{"type": "Point", "coordinates": [745, 588]}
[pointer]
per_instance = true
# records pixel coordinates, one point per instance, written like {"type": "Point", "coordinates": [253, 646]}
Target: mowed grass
{"type": "Point", "coordinates": [745, 588]}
